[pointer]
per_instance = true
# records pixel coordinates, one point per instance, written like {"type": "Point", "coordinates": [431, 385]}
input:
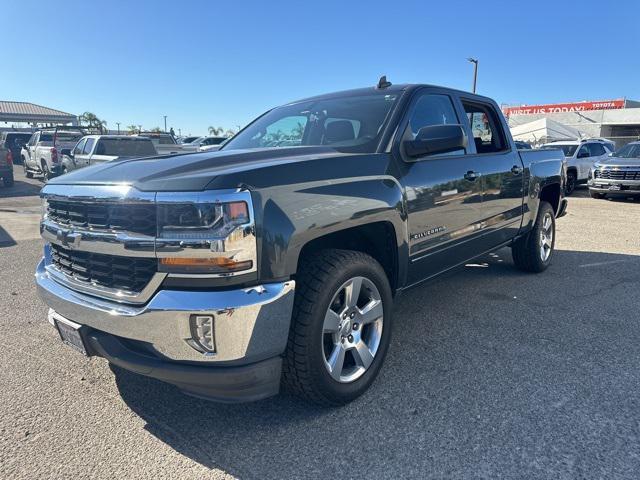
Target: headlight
{"type": "Point", "coordinates": [206, 233]}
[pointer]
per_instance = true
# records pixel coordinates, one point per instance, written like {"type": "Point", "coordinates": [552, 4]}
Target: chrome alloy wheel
{"type": "Point", "coordinates": [352, 329]}
{"type": "Point", "coordinates": [546, 237]}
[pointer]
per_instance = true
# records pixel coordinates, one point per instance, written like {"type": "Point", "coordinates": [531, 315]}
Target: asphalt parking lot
{"type": "Point", "coordinates": [492, 373]}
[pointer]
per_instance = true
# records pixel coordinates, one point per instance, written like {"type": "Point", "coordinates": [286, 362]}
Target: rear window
{"type": "Point", "coordinates": [125, 147]}
{"type": "Point", "coordinates": [568, 150]}
{"type": "Point", "coordinates": [64, 137]}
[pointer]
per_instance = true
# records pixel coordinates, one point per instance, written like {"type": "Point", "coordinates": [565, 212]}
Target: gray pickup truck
{"type": "Point", "coordinates": [275, 261]}
{"type": "Point", "coordinates": [93, 149]}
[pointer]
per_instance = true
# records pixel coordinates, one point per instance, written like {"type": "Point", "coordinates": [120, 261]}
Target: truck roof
{"type": "Point", "coordinates": [399, 88]}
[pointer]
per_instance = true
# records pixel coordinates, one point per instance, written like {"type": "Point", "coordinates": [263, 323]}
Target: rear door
{"type": "Point", "coordinates": [502, 171]}
{"type": "Point", "coordinates": [78, 158]}
{"type": "Point", "coordinates": [84, 159]}
{"type": "Point", "coordinates": [443, 191]}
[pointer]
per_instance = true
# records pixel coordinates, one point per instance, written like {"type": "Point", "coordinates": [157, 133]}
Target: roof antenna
{"type": "Point", "coordinates": [383, 83]}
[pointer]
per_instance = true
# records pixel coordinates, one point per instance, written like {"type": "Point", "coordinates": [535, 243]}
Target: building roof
{"type": "Point", "coordinates": [30, 112]}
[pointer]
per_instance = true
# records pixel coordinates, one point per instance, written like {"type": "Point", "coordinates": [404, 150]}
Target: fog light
{"type": "Point", "coordinates": [202, 333]}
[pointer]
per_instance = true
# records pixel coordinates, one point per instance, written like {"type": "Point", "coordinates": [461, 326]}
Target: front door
{"type": "Point", "coordinates": [502, 173]}
{"type": "Point", "coordinates": [443, 191]}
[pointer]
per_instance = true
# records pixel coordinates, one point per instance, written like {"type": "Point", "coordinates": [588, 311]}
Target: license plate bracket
{"type": "Point", "coordinates": [71, 333]}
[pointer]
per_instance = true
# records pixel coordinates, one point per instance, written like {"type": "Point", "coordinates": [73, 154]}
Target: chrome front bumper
{"type": "Point", "coordinates": [251, 324]}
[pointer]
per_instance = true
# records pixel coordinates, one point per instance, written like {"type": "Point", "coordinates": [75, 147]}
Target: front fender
{"type": "Point", "coordinates": [291, 218]}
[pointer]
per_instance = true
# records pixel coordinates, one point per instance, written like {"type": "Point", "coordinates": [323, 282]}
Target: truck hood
{"type": "Point", "coordinates": [619, 162]}
{"type": "Point", "coordinates": [188, 172]}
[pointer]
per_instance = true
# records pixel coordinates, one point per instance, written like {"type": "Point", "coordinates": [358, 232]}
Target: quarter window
{"type": "Point", "coordinates": [485, 127]}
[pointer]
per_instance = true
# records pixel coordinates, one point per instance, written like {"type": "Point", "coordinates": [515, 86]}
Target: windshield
{"type": "Point", "coordinates": [631, 150]}
{"type": "Point", "coordinates": [350, 124]}
{"type": "Point", "coordinates": [125, 147]}
{"type": "Point", "coordinates": [568, 150]}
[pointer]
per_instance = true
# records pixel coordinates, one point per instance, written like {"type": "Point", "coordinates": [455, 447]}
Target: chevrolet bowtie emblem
{"type": "Point", "coordinates": [69, 239]}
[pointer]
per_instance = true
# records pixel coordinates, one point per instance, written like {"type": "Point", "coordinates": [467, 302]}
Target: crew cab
{"type": "Point", "coordinates": [580, 155]}
{"type": "Point", "coordinates": [617, 175]}
{"type": "Point", "coordinates": [276, 260]}
{"type": "Point", "coordinates": [93, 149]}
{"type": "Point", "coordinates": [14, 141]}
{"type": "Point", "coordinates": [42, 154]}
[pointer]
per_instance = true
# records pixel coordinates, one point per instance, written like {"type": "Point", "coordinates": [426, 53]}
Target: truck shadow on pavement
{"type": "Point", "coordinates": [491, 372]}
{"type": "Point", "coordinates": [21, 189]}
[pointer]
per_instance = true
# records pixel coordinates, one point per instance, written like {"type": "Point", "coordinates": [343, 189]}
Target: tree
{"type": "Point", "coordinates": [230, 133]}
{"type": "Point", "coordinates": [93, 121]}
{"type": "Point", "coordinates": [215, 131]}
{"type": "Point", "coordinates": [156, 130]}
{"type": "Point", "coordinates": [132, 129]}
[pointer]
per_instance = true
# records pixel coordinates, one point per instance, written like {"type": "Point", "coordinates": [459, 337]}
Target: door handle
{"type": "Point", "coordinates": [516, 170]}
{"type": "Point", "coordinates": [471, 175]}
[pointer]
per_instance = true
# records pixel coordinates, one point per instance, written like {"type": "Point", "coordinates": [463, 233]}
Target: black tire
{"type": "Point", "coordinates": [46, 173]}
{"type": "Point", "coordinates": [8, 180]}
{"type": "Point", "coordinates": [27, 173]}
{"type": "Point", "coordinates": [572, 180]}
{"type": "Point", "coordinates": [526, 251]}
{"type": "Point", "coordinates": [319, 279]}
{"type": "Point", "coordinates": [596, 195]}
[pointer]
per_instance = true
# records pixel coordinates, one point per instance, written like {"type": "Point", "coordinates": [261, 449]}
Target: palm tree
{"type": "Point", "coordinates": [93, 121]}
{"type": "Point", "coordinates": [132, 129]}
{"type": "Point", "coordinates": [229, 133]}
{"type": "Point", "coordinates": [215, 131]}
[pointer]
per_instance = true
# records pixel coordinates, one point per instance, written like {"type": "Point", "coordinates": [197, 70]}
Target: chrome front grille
{"type": "Point", "coordinates": [130, 274]}
{"type": "Point", "coordinates": [618, 174]}
{"type": "Point", "coordinates": [134, 218]}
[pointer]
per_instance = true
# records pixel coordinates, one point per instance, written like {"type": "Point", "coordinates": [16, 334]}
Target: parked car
{"type": "Point", "coordinates": [42, 153]}
{"type": "Point", "coordinates": [276, 259]}
{"type": "Point", "coordinates": [14, 141]}
{"type": "Point", "coordinates": [580, 156]}
{"type": "Point", "coordinates": [166, 144]}
{"type": "Point", "coordinates": [617, 175]}
{"type": "Point", "coordinates": [211, 143]}
{"type": "Point", "coordinates": [93, 149]}
{"type": "Point", "coordinates": [522, 145]}
{"type": "Point", "coordinates": [188, 139]}
{"type": "Point", "coordinates": [6, 165]}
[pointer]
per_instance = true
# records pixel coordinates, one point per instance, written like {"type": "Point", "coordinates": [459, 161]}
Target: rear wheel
{"type": "Point", "coordinates": [533, 252]}
{"type": "Point", "coordinates": [46, 173]}
{"type": "Point", "coordinates": [596, 195]}
{"type": "Point", "coordinates": [27, 173]}
{"type": "Point", "coordinates": [340, 329]}
{"type": "Point", "coordinates": [572, 180]}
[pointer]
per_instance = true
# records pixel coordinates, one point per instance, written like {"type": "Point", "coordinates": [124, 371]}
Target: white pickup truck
{"type": "Point", "coordinates": [42, 154]}
{"type": "Point", "coordinates": [93, 149]}
{"type": "Point", "coordinates": [165, 143]}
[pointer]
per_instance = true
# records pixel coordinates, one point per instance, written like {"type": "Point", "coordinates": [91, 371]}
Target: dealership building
{"type": "Point", "coordinates": [618, 120]}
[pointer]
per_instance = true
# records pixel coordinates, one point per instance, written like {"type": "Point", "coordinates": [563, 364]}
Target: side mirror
{"type": "Point", "coordinates": [436, 139]}
{"type": "Point", "coordinates": [66, 151]}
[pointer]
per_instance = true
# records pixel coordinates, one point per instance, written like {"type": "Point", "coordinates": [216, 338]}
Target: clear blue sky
{"type": "Point", "coordinates": [223, 63]}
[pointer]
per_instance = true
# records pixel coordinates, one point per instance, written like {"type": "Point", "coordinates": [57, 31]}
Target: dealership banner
{"type": "Point", "coordinates": [564, 107]}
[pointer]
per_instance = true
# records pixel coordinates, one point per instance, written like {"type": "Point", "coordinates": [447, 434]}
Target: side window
{"type": "Point", "coordinates": [485, 126]}
{"type": "Point", "coordinates": [77, 150]}
{"type": "Point", "coordinates": [597, 150]}
{"type": "Point", "coordinates": [430, 110]}
{"type": "Point", "coordinates": [88, 146]}
{"type": "Point", "coordinates": [32, 140]}
{"type": "Point", "coordinates": [584, 152]}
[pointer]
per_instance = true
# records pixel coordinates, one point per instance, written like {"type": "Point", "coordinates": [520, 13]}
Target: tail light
{"type": "Point", "coordinates": [9, 158]}
{"type": "Point", "coordinates": [54, 155]}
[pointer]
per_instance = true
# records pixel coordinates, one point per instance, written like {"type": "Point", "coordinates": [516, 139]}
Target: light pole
{"type": "Point", "coordinates": [165, 123]}
{"type": "Point", "coordinates": [475, 72]}
{"type": "Point", "coordinates": [118, 123]}
{"type": "Point", "coordinates": [139, 129]}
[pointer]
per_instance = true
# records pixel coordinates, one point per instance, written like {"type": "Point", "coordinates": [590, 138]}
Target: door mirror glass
{"type": "Point", "coordinates": [436, 139]}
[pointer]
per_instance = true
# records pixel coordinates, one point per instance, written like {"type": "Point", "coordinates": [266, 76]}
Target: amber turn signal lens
{"type": "Point", "coordinates": [215, 264]}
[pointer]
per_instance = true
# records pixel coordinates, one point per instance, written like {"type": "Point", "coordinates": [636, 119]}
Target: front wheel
{"type": "Point", "coordinates": [341, 327]}
{"type": "Point", "coordinates": [572, 180]}
{"type": "Point", "coordinates": [533, 252]}
{"type": "Point", "coordinates": [27, 173]}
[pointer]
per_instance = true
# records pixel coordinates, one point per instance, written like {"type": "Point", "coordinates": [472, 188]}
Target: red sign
{"type": "Point", "coordinates": [564, 107]}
